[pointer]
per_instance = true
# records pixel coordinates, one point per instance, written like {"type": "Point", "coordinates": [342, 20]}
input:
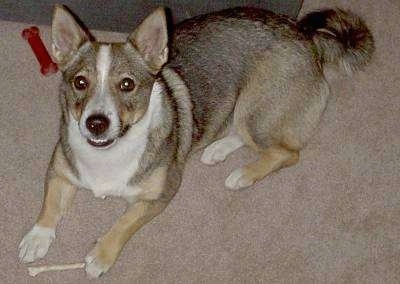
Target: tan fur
{"type": "Point", "coordinates": [154, 185]}
{"type": "Point", "coordinates": [128, 117]}
{"type": "Point", "coordinates": [59, 192]}
{"type": "Point", "coordinates": [110, 245]}
{"type": "Point", "coordinates": [272, 159]}
{"type": "Point", "coordinates": [77, 110]}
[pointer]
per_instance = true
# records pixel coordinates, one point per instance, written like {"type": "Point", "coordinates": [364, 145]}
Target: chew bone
{"type": "Point", "coordinates": [47, 66]}
{"type": "Point", "coordinates": [33, 271]}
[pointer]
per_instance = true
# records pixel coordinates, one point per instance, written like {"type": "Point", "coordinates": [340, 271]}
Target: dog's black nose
{"type": "Point", "coordinates": [97, 124]}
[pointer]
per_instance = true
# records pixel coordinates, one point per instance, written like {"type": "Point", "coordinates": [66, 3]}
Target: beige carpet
{"type": "Point", "coordinates": [333, 218]}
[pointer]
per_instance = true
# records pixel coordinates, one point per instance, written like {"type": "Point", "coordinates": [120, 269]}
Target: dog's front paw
{"type": "Point", "coordinates": [36, 243]}
{"type": "Point", "coordinates": [100, 260]}
{"type": "Point", "coordinates": [239, 179]}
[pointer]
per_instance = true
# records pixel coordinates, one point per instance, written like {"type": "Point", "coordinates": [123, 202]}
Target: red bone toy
{"type": "Point", "coordinates": [47, 66]}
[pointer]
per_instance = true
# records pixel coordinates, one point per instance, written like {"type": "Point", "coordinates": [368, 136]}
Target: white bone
{"type": "Point", "coordinates": [33, 271]}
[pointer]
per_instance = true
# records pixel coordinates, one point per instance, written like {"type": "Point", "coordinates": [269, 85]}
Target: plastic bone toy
{"type": "Point", "coordinates": [47, 66]}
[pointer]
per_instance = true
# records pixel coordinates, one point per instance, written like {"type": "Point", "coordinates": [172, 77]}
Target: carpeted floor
{"type": "Point", "coordinates": [333, 218]}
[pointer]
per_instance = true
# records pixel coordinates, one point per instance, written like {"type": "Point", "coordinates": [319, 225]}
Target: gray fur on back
{"type": "Point", "coordinates": [217, 54]}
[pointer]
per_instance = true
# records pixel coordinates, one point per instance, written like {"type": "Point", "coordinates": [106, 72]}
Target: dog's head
{"type": "Point", "coordinates": [106, 86]}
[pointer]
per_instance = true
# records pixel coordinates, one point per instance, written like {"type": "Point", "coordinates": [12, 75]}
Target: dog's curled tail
{"type": "Point", "coordinates": [340, 37]}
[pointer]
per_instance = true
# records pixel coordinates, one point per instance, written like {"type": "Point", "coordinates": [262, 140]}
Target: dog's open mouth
{"type": "Point", "coordinates": [100, 143]}
{"type": "Point", "coordinates": [104, 142]}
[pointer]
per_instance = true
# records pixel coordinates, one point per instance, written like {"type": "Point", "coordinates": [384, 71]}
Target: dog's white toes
{"type": "Point", "coordinates": [213, 154]}
{"type": "Point", "coordinates": [220, 149]}
{"type": "Point", "coordinates": [94, 266]}
{"type": "Point", "coordinates": [36, 243]}
{"type": "Point", "coordinates": [238, 179]}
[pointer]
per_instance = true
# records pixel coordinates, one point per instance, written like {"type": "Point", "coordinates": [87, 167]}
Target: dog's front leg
{"type": "Point", "coordinates": [59, 193]}
{"type": "Point", "coordinates": [108, 248]}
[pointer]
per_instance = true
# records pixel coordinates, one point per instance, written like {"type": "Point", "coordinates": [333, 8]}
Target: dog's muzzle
{"type": "Point", "coordinates": [97, 125]}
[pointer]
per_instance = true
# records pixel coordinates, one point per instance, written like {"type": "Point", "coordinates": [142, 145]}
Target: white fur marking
{"type": "Point", "coordinates": [36, 243]}
{"type": "Point", "coordinates": [94, 267]}
{"type": "Point", "coordinates": [102, 101]}
{"type": "Point", "coordinates": [108, 171]}
{"type": "Point", "coordinates": [103, 66]}
{"type": "Point", "coordinates": [237, 180]}
{"type": "Point", "coordinates": [220, 149]}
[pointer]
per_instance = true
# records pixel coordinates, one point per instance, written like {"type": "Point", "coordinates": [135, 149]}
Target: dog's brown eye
{"type": "Point", "coordinates": [81, 83]}
{"type": "Point", "coordinates": [126, 85]}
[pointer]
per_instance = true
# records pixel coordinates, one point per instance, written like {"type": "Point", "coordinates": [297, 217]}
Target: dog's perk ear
{"type": "Point", "coordinates": [67, 34]}
{"type": "Point", "coordinates": [151, 39]}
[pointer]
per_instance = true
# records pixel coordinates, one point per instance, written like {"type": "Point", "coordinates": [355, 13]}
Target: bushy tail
{"type": "Point", "coordinates": [340, 37]}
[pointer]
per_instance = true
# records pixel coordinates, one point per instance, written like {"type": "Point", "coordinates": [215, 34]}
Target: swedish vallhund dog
{"type": "Point", "coordinates": [132, 112]}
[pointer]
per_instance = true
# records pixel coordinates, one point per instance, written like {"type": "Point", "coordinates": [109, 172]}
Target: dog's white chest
{"type": "Point", "coordinates": [108, 171]}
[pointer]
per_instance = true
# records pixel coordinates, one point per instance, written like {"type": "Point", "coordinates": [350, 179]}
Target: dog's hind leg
{"type": "Point", "coordinates": [220, 149]}
{"type": "Point", "coordinates": [272, 159]}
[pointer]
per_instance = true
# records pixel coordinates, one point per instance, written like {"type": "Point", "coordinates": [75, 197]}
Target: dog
{"type": "Point", "coordinates": [134, 111]}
